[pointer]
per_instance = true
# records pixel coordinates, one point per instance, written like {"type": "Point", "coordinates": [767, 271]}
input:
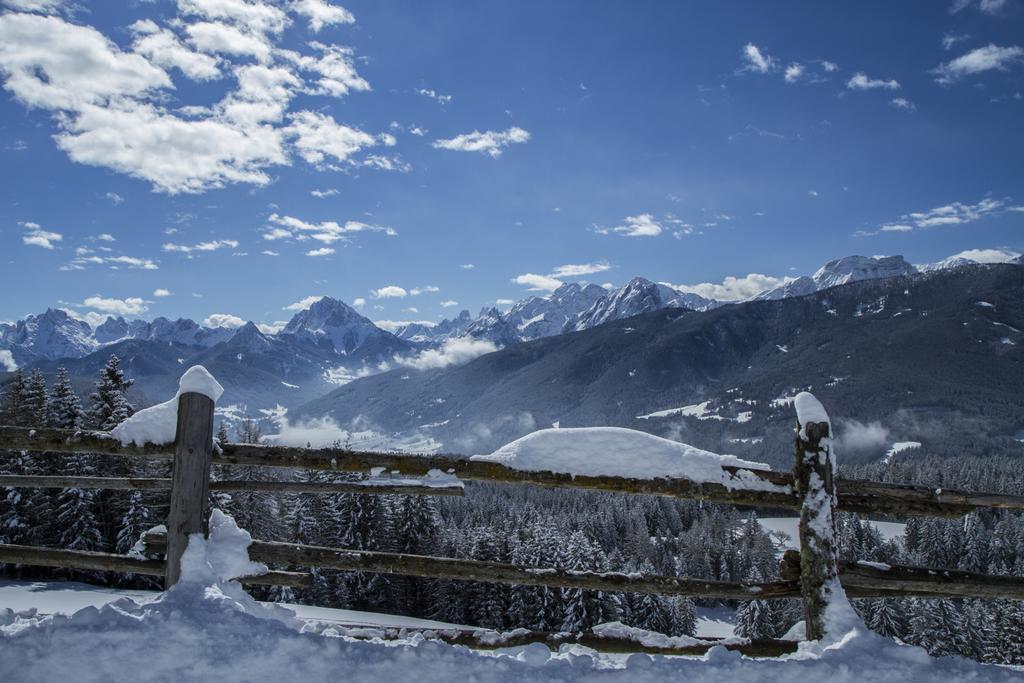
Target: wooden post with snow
{"type": "Point", "coordinates": [190, 481]}
{"type": "Point", "coordinates": [814, 475]}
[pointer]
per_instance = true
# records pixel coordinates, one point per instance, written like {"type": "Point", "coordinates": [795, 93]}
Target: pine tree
{"type": "Point", "coordinates": [11, 401]}
{"type": "Point", "coordinates": [109, 406]}
{"type": "Point", "coordinates": [64, 409]}
{"type": "Point", "coordinates": [33, 401]}
{"type": "Point", "coordinates": [221, 436]}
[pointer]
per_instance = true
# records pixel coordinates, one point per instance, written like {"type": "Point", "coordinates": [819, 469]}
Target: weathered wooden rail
{"type": "Point", "coordinates": [866, 497]}
{"type": "Point", "coordinates": [814, 573]}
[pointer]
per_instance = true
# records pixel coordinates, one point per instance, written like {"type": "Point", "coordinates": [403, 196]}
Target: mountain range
{"type": "Point", "coordinates": [933, 357]}
{"type": "Point", "coordinates": [330, 343]}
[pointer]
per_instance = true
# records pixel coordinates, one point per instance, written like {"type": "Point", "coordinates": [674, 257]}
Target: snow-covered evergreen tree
{"type": "Point", "coordinates": [64, 409]}
{"type": "Point", "coordinates": [11, 400]}
{"type": "Point", "coordinates": [33, 401]}
{"type": "Point", "coordinates": [109, 405]}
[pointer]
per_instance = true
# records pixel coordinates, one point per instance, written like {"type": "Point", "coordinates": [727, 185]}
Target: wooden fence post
{"type": "Point", "coordinates": [816, 488]}
{"type": "Point", "coordinates": [190, 481]}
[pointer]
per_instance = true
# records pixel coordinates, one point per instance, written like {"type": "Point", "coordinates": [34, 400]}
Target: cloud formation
{"type": "Point", "coordinates": [225, 320]}
{"type": "Point", "coordinates": [303, 304]}
{"type": "Point", "coordinates": [734, 288]}
{"type": "Point", "coordinates": [988, 58]}
{"type": "Point", "coordinates": [35, 236]}
{"type": "Point", "coordinates": [490, 142]}
{"type": "Point", "coordinates": [452, 352]}
{"type": "Point", "coordinates": [113, 108]}
{"type": "Point", "coordinates": [861, 81]}
{"type": "Point", "coordinates": [131, 306]}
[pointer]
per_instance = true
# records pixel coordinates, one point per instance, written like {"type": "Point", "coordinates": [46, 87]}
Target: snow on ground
{"type": "Point", "coordinates": [789, 529]}
{"type": "Point", "coordinates": [208, 629]}
{"type": "Point", "coordinates": [158, 424]}
{"type": "Point", "coordinates": [619, 452]}
{"type": "Point", "coordinates": [899, 447]}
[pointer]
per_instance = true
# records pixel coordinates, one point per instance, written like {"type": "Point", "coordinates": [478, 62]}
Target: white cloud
{"type": "Point", "coordinates": [212, 245]}
{"type": "Point", "coordinates": [254, 15]}
{"type": "Point", "coordinates": [467, 266]}
{"type": "Point", "coordinates": [860, 81]}
{"type": "Point", "coordinates": [452, 352]}
{"type": "Point", "coordinates": [449, 303]}
{"type": "Point", "coordinates": [35, 236]}
{"type": "Point", "coordinates": [318, 136]}
{"type": "Point", "coordinates": [955, 213]}
{"type": "Point", "coordinates": [321, 194]}
{"type": "Point", "coordinates": [902, 103]}
{"type": "Point", "coordinates": [489, 142]}
{"type": "Point", "coordinates": [829, 67]}
{"type": "Point", "coordinates": [537, 283]}
{"type": "Point", "coordinates": [7, 361]}
{"type": "Point", "coordinates": [163, 48]}
{"type": "Point", "coordinates": [325, 231]}
{"type": "Point", "coordinates": [426, 289]}
{"type": "Point", "coordinates": [987, 6]}
{"type": "Point", "coordinates": [321, 13]}
{"type": "Point", "coordinates": [268, 252]}
{"type": "Point", "coordinates": [987, 255]}
{"type": "Point", "coordinates": [303, 304]}
{"type": "Point", "coordinates": [579, 269]}
{"type": "Point", "coordinates": [114, 198]}
{"type": "Point", "coordinates": [223, 320]}
{"type": "Point", "coordinates": [129, 306]}
{"type": "Point", "coordinates": [949, 40]}
{"type": "Point", "coordinates": [641, 225]}
{"type": "Point", "coordinates": [434, 95]}
{"type": "Point", "coordinates": [389, 292]}
{"type": "Point", "coordinates": [42, 6]}
{"type": "Point", "coordinates": [988, 58]}
{"type": "Point", "coordinates": [359, 302]}
{"type": "Point", "coordinates": [793, 72]}
{"type": "Point", "coordinates": [111, 107]}
{"type": "Point", "coordinates": [272, 328]}
{"type": "Point", "coordinates": [159, 293]}
{"type": "Point", "coordinates": [85, 257]}
{"type": "Point", "coordinates": [322, 251]}
{"type": "Point", "coordinates": [757, 60]}
{"type": "Point", "coordinates": [504, 302]}
{"type": "Point", "coordinates": [734, 288]}
{"type": "Point", "coordinates": [104, 237]}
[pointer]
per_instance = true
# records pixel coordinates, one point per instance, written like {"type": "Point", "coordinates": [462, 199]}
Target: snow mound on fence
{"type": "Point", "coordinates": [206, 628]}
{"type": "Point", "coordinates": [620, 452]}
{"type": "Point", "coordinates": [158, 424]}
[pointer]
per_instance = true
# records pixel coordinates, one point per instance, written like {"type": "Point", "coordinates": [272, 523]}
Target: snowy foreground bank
{"type": "Point", "coordinates": [208, 629]}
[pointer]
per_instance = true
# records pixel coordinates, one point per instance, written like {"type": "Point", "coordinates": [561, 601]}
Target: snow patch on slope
{"type": "Point", "coordinates": [619, 452]}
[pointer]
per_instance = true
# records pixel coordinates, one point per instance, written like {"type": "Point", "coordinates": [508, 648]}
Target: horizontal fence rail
{"type": "Point", "coordinates": [853, 495]}
{"type": "Point", "coordinates": [479, 639]}
{"type": "Point", "coordinates": [860, 579]}
{"type": "Point", "coordinates": [87, 560]}
{"type": "Point", "coordinates": [401, 487]}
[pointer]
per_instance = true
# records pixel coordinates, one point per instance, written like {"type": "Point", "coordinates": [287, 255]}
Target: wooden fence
{"type": "Point", "coordinates": [807, 574]}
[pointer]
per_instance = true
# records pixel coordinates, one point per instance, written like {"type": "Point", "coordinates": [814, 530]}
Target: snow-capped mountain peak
{"type": "Point", "coordinates": [333, 321]}
{"type": "Point", "coordinates": [848, 269]}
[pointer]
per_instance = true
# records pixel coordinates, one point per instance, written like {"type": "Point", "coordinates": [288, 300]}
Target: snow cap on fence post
{"type": "Point", "coordinates": [193, 449]}
{"type": "Point", "coordinates": [814, 475]}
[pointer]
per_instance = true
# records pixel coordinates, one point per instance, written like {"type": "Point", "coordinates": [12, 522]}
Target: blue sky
{"type": "Point", "coordinates": [150, 149]}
